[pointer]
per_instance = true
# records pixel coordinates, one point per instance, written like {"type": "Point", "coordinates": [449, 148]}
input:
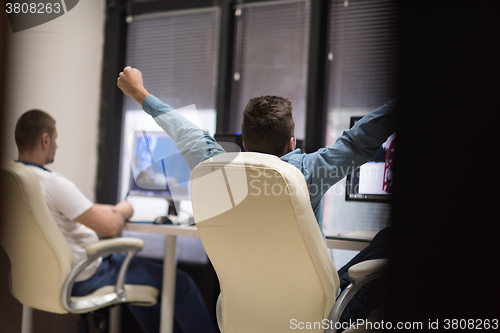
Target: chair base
{"type": "Point", "coordinates": [27, 321]}
{"type": "Point", "coordinates": [82, 325]}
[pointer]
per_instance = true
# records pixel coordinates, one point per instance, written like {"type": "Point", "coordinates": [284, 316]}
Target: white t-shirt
{"type": "Point", "coordinates": [66, 202]}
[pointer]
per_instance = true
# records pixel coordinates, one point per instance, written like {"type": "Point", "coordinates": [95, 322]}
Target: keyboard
{"type": "Point", "coordinates": [147, 209]}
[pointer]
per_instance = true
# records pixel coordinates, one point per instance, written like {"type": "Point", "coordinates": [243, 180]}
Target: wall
{"type": "Point", "coordinates": [56, 67]}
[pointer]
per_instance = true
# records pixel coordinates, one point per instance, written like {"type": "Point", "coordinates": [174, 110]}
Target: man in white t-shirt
{"type": "Point", "coordinates": [81, 221]}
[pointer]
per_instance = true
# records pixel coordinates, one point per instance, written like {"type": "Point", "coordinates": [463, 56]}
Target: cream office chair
{"type": "Point", "coordinates": [255, 220]}
{"type": "Point", "coordinates": [42, 270]}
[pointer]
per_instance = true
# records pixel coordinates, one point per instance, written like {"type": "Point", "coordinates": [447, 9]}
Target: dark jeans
{"type": "Point", "coordinates": [365, 300]}
{"type": "Point", "coordinates": [190, 311]}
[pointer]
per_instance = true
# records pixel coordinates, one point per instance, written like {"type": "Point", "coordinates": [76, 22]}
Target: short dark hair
{"type": "Point", "coordinates": [30, 127]}
{"type": "Point", "coordinates": [267, 124]}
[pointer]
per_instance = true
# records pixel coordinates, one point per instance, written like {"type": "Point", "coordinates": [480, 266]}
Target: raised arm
{"type": "Point", "coordinates": [194, 144]}
{"type": "Point", "coordinates": [131, 83]}
{"type": "Point", "coordinates": [356, 146]}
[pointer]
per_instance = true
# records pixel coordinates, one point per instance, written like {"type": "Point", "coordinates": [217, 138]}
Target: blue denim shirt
{"type": "Point", "coordinates": [322, 169]}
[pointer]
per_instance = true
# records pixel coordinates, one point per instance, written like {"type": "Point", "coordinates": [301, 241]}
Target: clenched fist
{"type": "Point", "coordinates": [130, 82]}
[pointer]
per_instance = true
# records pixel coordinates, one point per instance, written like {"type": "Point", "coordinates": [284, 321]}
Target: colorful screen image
{"type": "Point", "coordinates": [158, 168]}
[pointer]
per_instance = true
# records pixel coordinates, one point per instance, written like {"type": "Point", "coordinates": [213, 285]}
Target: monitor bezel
{"type": "Point", "coordinates": [379, 198]}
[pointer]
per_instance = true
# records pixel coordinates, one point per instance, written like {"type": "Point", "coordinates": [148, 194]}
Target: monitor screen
{"type": "Point", "coordinates": [158, 168]}
{"type": "Point", "coordinates": [373, 180]}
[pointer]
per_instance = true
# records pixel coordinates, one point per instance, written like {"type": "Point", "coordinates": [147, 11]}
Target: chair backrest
{"type": "Point", "coordinates": [40, 256]}
{"type": "Point", "coordinates": [255, 220]}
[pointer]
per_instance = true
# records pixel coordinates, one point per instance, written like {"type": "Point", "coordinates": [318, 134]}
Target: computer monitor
{"type": "Point", "coordinates": [372, 182]}
{"type": "Point", "coordinates": [158, 168]}
{"type": "Point", "coordinates": [232, 143]}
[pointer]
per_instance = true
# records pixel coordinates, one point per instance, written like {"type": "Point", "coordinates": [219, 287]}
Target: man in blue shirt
{"type": "Point", "coordinates": [322, 169]}
{"type": "Point", "coordinates": [268, 127]}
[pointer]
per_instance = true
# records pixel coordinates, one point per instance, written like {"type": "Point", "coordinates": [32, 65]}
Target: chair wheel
{"type": "Point", "coordinates": [83, 325]}
{"type": "Point", "coordinates": [101, 322]}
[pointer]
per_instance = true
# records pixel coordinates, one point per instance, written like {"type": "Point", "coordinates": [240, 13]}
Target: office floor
{"type": "Point", "coordinates": [43, 322]}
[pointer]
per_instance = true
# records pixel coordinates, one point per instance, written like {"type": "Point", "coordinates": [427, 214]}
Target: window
{"type": "Point", "coordinates": [266, 48]}
{"type": "Point", "coordinates": [271, 54]}
{"type": "Point", "coordinates": [362, 56]}
{"type": "Point", "coordinates": [177, 54]}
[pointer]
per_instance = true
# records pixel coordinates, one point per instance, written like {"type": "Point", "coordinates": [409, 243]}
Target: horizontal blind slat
{"type": "Point", "coordinates": [177, 55]}
{"type": "Point", "coordinates": [273, 55]}
{"type": "Point", "coordinates": [363, 45]}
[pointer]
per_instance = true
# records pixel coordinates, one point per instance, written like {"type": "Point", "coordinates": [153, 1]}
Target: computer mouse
{"type": "Point", "coordinates": [162, 220]}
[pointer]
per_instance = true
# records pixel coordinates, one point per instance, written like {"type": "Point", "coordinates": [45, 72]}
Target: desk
{"type": "Point", "coordinates": [169, 265]}
{"type": "Point", "coordinates": [334, 240]}
{"type": "Point", "coordinates": [353, 240]}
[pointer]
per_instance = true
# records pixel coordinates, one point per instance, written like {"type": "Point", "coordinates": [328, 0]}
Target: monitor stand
{"type": "Point", "coordinates": [171, 207]}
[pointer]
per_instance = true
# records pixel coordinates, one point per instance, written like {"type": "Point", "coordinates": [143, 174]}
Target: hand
{"type": "Point", "coordinates": [125, 209]}
{"type": "Point", "coordinates": [130, 82]}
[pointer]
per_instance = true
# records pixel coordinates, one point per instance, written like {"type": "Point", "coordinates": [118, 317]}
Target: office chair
{"type": "Point", "coordinates": [255, 220]}
{"type": "Point", "coordinates": [42, 262]}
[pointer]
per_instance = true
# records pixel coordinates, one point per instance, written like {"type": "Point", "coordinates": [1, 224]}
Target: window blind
{"type": "Point", "coordinates": [271, 53]}
{"type": "Point", "coordinates": [362, 53]}
{"type": "Point", "coordinates": [362, 77]}
{"type": "Point", "coordinates": [177, 55]}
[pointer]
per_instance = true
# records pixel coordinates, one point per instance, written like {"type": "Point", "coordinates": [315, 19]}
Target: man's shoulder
{"type": "Point", "coordinates": [53, 182]}
{"type": "Point", "coordinates": [47, 175]}
{"type": "Point", "coordinates": [42, 174]}
{"type": "Point", "coordinates": [63, 194]}
{"type": "Point", "coordinates": [295, 158]}
{"type": "Point", "coordinates": [292, 156]}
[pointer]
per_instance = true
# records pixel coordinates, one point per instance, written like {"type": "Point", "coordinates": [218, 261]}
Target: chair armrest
{"type": "Point", "coordinates": [114, 242]}
{"type": "Point", "coordinates": [360, 274]}
{"type": "Point", "coordinates": [218, 313]}
{"type": "Point", "coordinates": [99, 249]}
{"type": "Point", "coordinates": [367, 269]}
